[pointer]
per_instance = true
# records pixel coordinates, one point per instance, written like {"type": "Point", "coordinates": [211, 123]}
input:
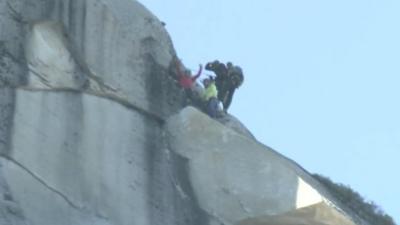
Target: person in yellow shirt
{"type": "Point", "coordinates": [210, 97]}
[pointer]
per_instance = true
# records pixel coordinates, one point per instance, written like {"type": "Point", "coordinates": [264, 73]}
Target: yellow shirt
{"type": "Point", "coordinates": [210, 92]}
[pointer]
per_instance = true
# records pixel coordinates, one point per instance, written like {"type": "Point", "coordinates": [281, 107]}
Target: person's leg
{"type": "Point", "coordinates": [209, 108]}
{"type": "Point", "coordinates": [212, 107]}
{"type": "Point", "coordinates": [183, 99]}
{"type": "Point", "coordinates": [228, 99]}
{"type": "Point", "coordinates": [221, 88]}
{"type": "Point", "coordinates": [188, 97]}
{"type": "Point", "coordinates": [189, 94]}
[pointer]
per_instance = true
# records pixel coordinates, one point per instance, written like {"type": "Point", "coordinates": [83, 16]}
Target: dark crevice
{"type": "Point", "coordinates": [7, 108]}
{"type": "Point", "coordinates": [187, 208]}
{"type": "Point", "coordinates": [6, 53]}
{"type": "Point", "coordinates": [41, 78]}
{"type": "Point", "coordinates": [11, 68]}
{"type": "Point", "coordinates": [120, 100]}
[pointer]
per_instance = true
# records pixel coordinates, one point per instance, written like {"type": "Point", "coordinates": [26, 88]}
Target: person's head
{"type": "Point", "coordinates": [188, 73]}
{"type": "Point", "coordinates": [206, 82]}
{"type": "Point", "coordinates": [212, 65]}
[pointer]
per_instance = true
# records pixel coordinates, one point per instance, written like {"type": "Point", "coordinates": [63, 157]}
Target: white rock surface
{"type": "Point", "coordinates": [81, 159]}
{"type": "Point", "coordinates": [318, 214]}
{"type": "Point", "coordinates": [234, 176]}
{"type": "Point", "coordinates": [49, 61]}
{"type": "Point", "coordinates": [81, 164]}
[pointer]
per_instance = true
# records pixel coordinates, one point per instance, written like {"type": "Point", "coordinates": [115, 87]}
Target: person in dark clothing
{"type": "Point", "coordinates": [234, 80]}
{"type": "Point", "coordinates": [219, 69]}
{"type": "Point", "coordinates": [228, 78]}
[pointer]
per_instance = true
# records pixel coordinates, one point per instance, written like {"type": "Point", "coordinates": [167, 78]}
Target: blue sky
{"type": "Point", "coordinates": [321, 80]}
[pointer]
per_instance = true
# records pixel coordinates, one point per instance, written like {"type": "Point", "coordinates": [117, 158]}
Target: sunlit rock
{"type": "Point", "coordinates": [235, 177]}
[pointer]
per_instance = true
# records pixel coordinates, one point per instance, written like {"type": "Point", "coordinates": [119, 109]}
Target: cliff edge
{"type": "Point", "coordinates": [92, 131]}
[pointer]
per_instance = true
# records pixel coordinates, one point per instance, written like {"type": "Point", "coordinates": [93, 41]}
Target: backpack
{"type": "Point", "coordinates": [236, 76]}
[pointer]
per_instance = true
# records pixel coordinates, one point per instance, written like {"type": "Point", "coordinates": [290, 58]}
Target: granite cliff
{"type": "Point", "coordinates": [92, 131]}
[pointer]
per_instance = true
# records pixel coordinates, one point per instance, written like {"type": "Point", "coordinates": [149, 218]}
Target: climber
{"type": "Point", "coordinates": [210, 97]}
{"type": "Point", "coordinates": [234, 80]}
{"type": "Point", "coordinates": [228, 78]}
{"type": "Point", "coordinates": [186, 80]}
{"type": "Point", "coordinates": [220, 71]}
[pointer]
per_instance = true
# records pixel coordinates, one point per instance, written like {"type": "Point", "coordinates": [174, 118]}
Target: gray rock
{"type": "Point", "coordinates": [10, 212]}
{"type": "Point", "coordinates": [236, 178]}
{"type": "Point", "coordinates": [118, 171]}
{"type": "Point", "coordinates": [235, 124]}
{"type": "Point", "coordinates": [115, 49]}
{"type": "Point", "coordinates": [85, 91]}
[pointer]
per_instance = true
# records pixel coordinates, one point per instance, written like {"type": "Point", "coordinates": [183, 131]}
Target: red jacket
{"type": "Point", "coordinates": [185, 81]}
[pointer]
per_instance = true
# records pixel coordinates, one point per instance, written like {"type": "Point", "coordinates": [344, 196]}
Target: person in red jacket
{"type": "Point", "coordinates": [186, 80]}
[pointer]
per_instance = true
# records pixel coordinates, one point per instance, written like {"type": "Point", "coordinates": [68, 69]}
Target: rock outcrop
{"type": "Point", "coordinates": [92, 131]}
{"type": "Point", "coordinates": [240, 181]}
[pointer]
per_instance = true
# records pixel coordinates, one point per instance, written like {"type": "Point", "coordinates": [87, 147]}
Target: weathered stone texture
{"type": "Point", "coordinates": [86, 89]}
{"type": "Point", "coordinates": [236, 178]}
{"type": "Point", "coordinates": [78, 169]}
{"type": "Point", "coordinates": [107, 48]}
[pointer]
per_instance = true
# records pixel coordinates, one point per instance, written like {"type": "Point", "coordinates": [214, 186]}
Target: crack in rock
{"type": "Point", "coordinates": [6, 53]}
{"type": "Point", "coordinates": [15, 15]}
{"type": "Point", "coordinates": [40, 180]}
{"type": "Point", "coordinates": [42, 78]}
{"type": "Point", "coordinates": [112, 97]}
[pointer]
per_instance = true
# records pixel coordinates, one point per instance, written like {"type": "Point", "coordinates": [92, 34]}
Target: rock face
{"type": "Point", "coordinates": [90, 131]}
{"type": "Point", "coordinates": [240, 181]}
{"type": "Point", "coordinates": [85, 88]}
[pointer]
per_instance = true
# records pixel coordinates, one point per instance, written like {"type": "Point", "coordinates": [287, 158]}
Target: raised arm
{"type": "Point", "coordinates": [198, 73]}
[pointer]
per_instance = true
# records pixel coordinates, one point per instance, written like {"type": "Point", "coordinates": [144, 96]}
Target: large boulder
{"type": "Point", "coordinates": [236, 178]}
